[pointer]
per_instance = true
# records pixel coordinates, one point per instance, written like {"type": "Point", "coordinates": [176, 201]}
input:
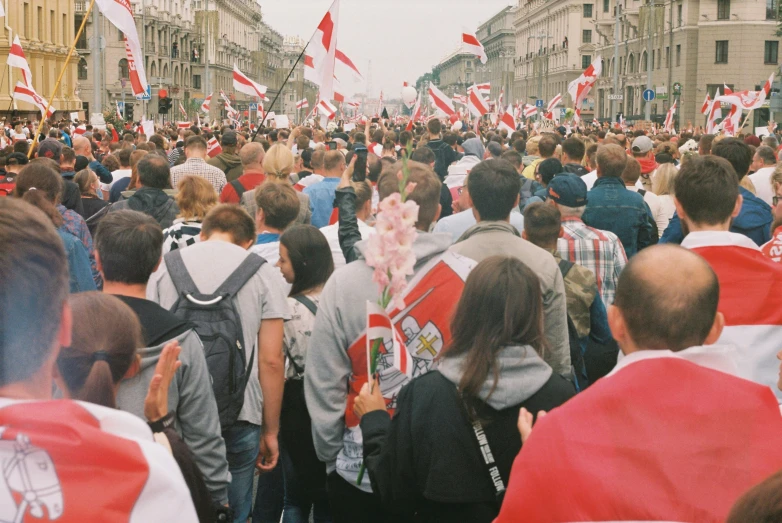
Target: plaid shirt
{"type": "Point", "coordinates": [198, 167]}
{"type": "Point", "coordinates": [599, 251]}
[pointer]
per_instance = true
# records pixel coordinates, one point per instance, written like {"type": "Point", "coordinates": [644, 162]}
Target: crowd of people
{"type": "Point", "coordinates": [593, 321]}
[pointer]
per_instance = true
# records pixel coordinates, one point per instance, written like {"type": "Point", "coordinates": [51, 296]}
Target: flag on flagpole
{"type": "Point", "coordinates": [182, 110]}
{"type": "Point", "coordinates": [416, 114]}
{"type": "Point", "coordinates": [225, 97]}
{"type": "Point", "coordinates": [507, 122]}
{"type": "Point", "coordinates": [579, 88]}
{"type": "Point", "coordinates": [669, 118]}
{"type": "Point", "coordinates": [501, 100]}
{"type": "Point", "coordinates": [27, 94]}
{"type": "Point", "coordinates": [530, 110]}
{"type": "Point", "coordinates": [183, 125]}
{"type": "Point", "coordinates": [476, 104]}
{"type": "Point", "coordinates": [320, 58]}
{"type": "Point", "coordinates": [207, 103]}
{"type": "Point", "coordinates": [327, 109]}
{"type": "Point", "coordinates": [302, 104]}
{"type": "Point", "coordinates": [554, 102]}
{"type": "Point", "coordinates": [17, 59]}
{"type": "Point", "coordinates": [706, 107]}
{"type": "Point", "coordinates": [119, 13]}
{"type": "Point", "coordinates": [715, 113]}
{"type": "Point", "coordinates": [484, 89]}
{"type": "Point", "coordinates": [441, 101]}
{"type": "Point", "coordinates": [471, 44]}
{"type": "Point", "coordinates": [213, 147]}
{"type": "Point", "coordinates": [748, 100]}
{"type": "Point", "coordinates": [244, 85]}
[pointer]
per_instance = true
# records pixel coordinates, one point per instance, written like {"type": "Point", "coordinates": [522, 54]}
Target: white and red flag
{"type": "Point", "coordinates": [530, 110]}
{"type": "Point", "coordinates": [27, 94]}
{"type": "Point", "coordinates": [459, 99]}
{"type": "Point", "coordinates": [120, 14]}
{"type": "Point", "coordinates": [225, 97]}
{"type": "Point", "coordinates": [320, 58]}
{"type": "Point", "coordinates": [706, 107]}
{"type": "Point", "coordinates": [207, 103]}
{"type": "Point", "coordinates": [213, 147]}
{"type": "Point", "coordinates": [17, 59]}
{"type": "Point", "coordinates": [416, 114]}
{"type": "Point", "coordinates": [183, 125]}
{"type": "Point", "coordinates": [579, 88]}
{"type": "Point", "coordinates": [628, 476]}
{"type": "Point", "coordinates": [748, 100]}
{"type": "Point", "coordinates": [476, 103]}
{"type": "Point", "coordinates": [244, 85]}
{"type": "Point", "coordinates": [471, 44]}
{"type": "Point", "coordinates": [484, 89]}
{"type": "Point", "coordinates": [347, 77]}
{"type": "Point", "coordinates": [715, 113]}
{"type": "Point", "coordinates": [441, 101]}
{"type": "Point", "coordinates": [730, 125]}
{"type": "Point", "coordinates": [326, 108]}
{"type": "Point", "coordinates": [553, 103]}
{"type": "Point", "coordinates": [182, 110]}
{"type": "Point", "coordinates": [501, 100]}
{"type": "Point", "coordinates": [380, 327]}
{"type": "Point", "coordinates": [669, 118]}
{"type": "Point", "coordinates": [507, 122]}
{"type": "Point", "coordinates": [303, 104]}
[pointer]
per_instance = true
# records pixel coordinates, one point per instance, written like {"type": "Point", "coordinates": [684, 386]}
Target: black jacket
{"type": "Point", "coordinates": [426, 465]}
{"type": "Point", "coordinates": [575, 168]}
{"type": "Point", "coordinates": [444, 156]}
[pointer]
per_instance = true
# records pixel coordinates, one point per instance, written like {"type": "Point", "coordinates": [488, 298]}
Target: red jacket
{"type": "Point", "coordinates": [249, 180]}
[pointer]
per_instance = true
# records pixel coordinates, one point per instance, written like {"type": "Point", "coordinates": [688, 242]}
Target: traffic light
{"type": "Point", "coordinates": [129, 112]}
{"type": "Point", "coordinates": [163, 105]}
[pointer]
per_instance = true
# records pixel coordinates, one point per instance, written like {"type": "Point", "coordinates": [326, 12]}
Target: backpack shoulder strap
{"type": "Point", "coordinates": [307, 303]}
{"type": "Point", "coordinates": [642, 192]}
{"type": "Point", "coordinates": [238, 187]}
{"type": "Point", "coordinates": [565, 266]}
{"type": "Point", "coordinates": [181, 278]}
{"type": "Point", "coordinates": [241, 275]}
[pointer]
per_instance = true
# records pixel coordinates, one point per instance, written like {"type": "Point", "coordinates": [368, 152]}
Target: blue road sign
{"type": "Point", "coordinates": [562, 112]}
{"type": "Point", "coordinates": [253, 107]}
{"type": "Point", "coordinates": [121, 106]}
{"type": "Point", "coordinates": [147, 95]}
{"type": "Point", "coordinates": [539, 103]}
{"type": "Point", "coordinates": [649, 95]}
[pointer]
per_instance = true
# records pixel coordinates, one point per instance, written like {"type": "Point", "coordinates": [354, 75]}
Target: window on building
{"type": "Point", "coordinates": [772, 7]}
{"type": "Point", "coordinates": [723, 9]}
{"type": "Point", "coordinates": [587, 10]}
{"type": "Point", "coordinates": [290, 98]}
{"type": "Point", "coordinates": [468, 64]}
{"type": "Point", "coordinates": [678, 55]}
{"type": "Point", "coordinates": [28, 21]}
{"type": "Point", "coordinates": [65, 30]}
{"type": "Point", "coordinates": [123, 68]}
{"type": "Point", "coordinates": [41, 31]}
{"type": "Point", "coordinates": [53, 27]}
{"type": "Point", "coordinates": [82, 69]}
{"type": "Point", "coordinates": [644, 62]}
{"type": "Point", "coordinates": [667, 57]}
{"type": "Point", "coordinates": [771, 53]}
{"type": "Point", "coordinates": [606, 5]}
{"type": "Point", "coordinates": [196, 81]}
{"type": "Point", "coordinates": [680, 17]}
{"type": "Point", "coordinates": [586, 60]}
{"type": "Point", "coordinates": [586, 36]}
{"type": "Point", "coordinates": [711, 89]}
{"type": "Point", "coordinates": [721, 55]}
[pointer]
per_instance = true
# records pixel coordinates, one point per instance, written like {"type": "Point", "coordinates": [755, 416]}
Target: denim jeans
{"type": "Point", "coordinates": [242, 444]}
{"type": "Point", "coordinates": [269, 496]}
{"type": "Point", "coordinates": [298, 502]}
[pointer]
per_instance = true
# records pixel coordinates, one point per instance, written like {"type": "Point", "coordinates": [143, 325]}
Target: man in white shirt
{"type": "Point", "coordinates": [763, 163]}
{"type": "Point", "coordinates": [630, 176]}
{"type": "Point", "coordinates": [363, 212]}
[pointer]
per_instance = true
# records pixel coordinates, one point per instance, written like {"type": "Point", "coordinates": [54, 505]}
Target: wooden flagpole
{"type": "Point", "coordinates": [59, 78]}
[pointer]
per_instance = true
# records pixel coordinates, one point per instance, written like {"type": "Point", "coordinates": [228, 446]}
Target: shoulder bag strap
{"type": "Point", "coordinates": [238, 187]}
{"type": "Point", "coordinates": [307, 303]}
{"type": "Point", "coordinates": [180, 277]}
{"type": "Point", "coordinates": [239, 277]}
{"type": "Point", "coordinates": [565, 266]}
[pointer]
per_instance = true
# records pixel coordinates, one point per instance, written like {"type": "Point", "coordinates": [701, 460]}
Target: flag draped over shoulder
{"type": "Point", "coordinates": [661, 439]}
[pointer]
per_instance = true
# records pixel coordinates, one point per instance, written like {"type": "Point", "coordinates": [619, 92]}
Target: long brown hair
{"type": "Point", "coordinates": [41, 186]}
{"type": "Point", "coordinates": [135, 157]}
{"type": "Point", "coordinates": [195, 197]}
{"type": "Point", "coordinates": [99, 358]}
{"type": "Point", "coordinates": [501, 306]}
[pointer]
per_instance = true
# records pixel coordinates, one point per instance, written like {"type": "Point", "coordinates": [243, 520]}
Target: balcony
{"type": "Point", "coordinates": [162, 50]}
{"type": "Point", "coordinates": [80, 7]}
{"type": "Point", "coordinates": [149, 47]}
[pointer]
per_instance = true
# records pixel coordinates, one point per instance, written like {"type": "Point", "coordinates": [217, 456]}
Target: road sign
{"type": "Point", "coordinates": [121, 107]}
{"type": "Point", "coordinates": [147, 95]}
{"type": "Point", "coordinates": [619, 97]}
{"type": "Point", "coordinates": [539, 103]}
{"type": "Point", "coordinates": [562, 112]}
{"type": "Point", "coordinates": [648, 95]}
{"type": "Point", "coordinates": [677, 89]}
{"type": "Point", "coordinates": [253, 107]}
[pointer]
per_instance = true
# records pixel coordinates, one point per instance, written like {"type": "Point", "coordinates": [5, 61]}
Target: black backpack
{"type": "Point", "coordinates": [219, 326]}
{"type": "Point", "coordinates": [576, 356]}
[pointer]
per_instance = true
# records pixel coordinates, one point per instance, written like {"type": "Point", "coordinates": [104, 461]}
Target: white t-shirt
{"type": "Point", "coordinates": [116, 175]}
{"type": "Point", "coordinates": [656, 206]}
{"type": "Point", "coordinates": [762, 182]}
{"type": "Point", "coordinates": [331, 232]}
{"type": "Point", "coordinates": [262, 298]}
{"type": "Point", "coordinates": [590, 179]}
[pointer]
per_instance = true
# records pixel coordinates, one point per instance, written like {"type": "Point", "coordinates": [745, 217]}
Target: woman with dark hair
{"type": "Point", "coordinates": [97, 360]}
{"type": "Point", "coordinates": [41, 186]}
{"type": "Point", "coordinates": [429, 459]}
{"type": "Point", "coordinates": [306, 263]}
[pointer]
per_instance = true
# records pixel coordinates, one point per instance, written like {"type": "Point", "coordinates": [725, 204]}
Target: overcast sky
{"type": "Point", "coordinates": [402, 38]}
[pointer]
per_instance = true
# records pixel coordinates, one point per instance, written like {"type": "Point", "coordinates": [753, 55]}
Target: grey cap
{"type": "Point", "coordinates": [495, 149]}
{"type": "Point", "coordinates": [642, 145]}
{"type": "Point", "coordinates": [473, 147]}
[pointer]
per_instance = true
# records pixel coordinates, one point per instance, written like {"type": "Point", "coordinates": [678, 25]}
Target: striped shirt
{"type": "Point", "coordinates": [181, 234]}
{"type": "Point", "coordinates": [599, 251]}
{"type": "Point", "coordinates": [198, 167]}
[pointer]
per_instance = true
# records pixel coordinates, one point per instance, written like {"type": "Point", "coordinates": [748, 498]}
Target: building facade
{"type": "Point", "coordinates": [697, 45]}
{"type": "Point", "coordinates": [45, 30]}
{"type": "Point", "coordinates": [297, 88]}
{"type": "Point", "coordinates": [555, 42]}
{"type": "Point", "coordinates": [499, 41]}
{"type": "Point", "coordinates": [457, 72]}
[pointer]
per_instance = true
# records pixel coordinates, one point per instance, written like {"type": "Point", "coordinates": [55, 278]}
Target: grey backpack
{"type": "Point", "coordinates": [219, 326]}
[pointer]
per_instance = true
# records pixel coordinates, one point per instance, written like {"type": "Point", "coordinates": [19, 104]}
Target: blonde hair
{"type": "Point", "coordinates": [776, 178]}
{"type": "Point", "coordinates": [532, 146]}
{"type": "Point", "coordinates": [278, 162]}
{"type": "Point", "coordinates": [195, 197]}
{"type": "Point", "coordinates": [85, 180]}
{"type": "Point", "coordinates": [748, 185]}
{"type": "Point", "coordinates": [663, 180]}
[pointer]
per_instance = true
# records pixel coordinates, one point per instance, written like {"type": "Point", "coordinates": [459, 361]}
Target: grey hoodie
{"type": "Point", "coordinates": [492, 238]}
{"type": "Point", "coordinates": [191, 398]}
{"type": "Point", "coordinates": [522, 374]}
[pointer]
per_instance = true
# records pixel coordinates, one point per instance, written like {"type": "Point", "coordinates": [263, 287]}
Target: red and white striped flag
{"type": "Point", "coordinates": [326, 108]}
{"type": "Point", "coordinates": [459, 99]}
{"type": "Point", "coordinates": [81, 129]}
{"type": "Point", "coordinates": [183, 125]}
{"type": "Point", "coordinates": [715, 113]}
{"type": "Point", "coordinates": [579, 88]}
{"type": "Point", "coordinates": [379, 326]}
{"type": "Point", "coordinates": [225, 97]}
{"type": "Point", "coordinates": [182, 110]}
{"type": "Point", "coordinates": [213, 147]}
{"type": "Point", "coordinates": [27, 94]}
{"type": "Point", "coordinates": [530, 110]}
{"type": "Point", "coordinates": [706, 107]}
{"type": "Point", "coordinates": [17, 59]}
{"type": "Point", "coordinates": [475, 102]}
{"type": "Point", "coordinates": [484, 89]}
{"type": "Point", "coordinates": [669, 118]}
{"type": "Point", "coordinates": [207, 103]}
{"type": "Point", "coordinates": [244, 85]}
{"type": "Point", "coordinates": [120, 14]}
{"type": "Point", "coordinates": [501, 100]}
{"type": "Point", "coordinates": [471, 44]}
{"type": "Point", "coordinates": [303, 104]}
{"type": "Point", "coordinates": [320, 59]}
{"type": "Point", "coordinates": [416, 114]}
{"type": "Point", "coordinates": [441, 101]}
{"type": "Point", "coordinates": [554, 102]}
{"type": "Point", "coordinates": [507, 122]}
{"type": "Point", "coordinates": [730, 125]}
{"type": "Point", "coordinates": [748, 100]}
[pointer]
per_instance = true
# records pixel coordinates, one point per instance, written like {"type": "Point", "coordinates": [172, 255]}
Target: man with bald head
{"type": "Point", "coordinates": [251, 156]}
{"type": "Point", "coordinates": [654, 440]}
{"type": "Point", "coordinates": [707, 200]}
{"type": "Point", "coordinates": [611, 207]}
{"type": "Point", "coordinates": [322, 193]}
{"type": "Point", "coordinates": [83, 147]}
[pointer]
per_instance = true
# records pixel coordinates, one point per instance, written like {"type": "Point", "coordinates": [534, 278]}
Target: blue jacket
{"type": "Point", "coordinates": [754, 221]}
{"type": "Point", "coordinates": [80, 275]}
{"type": "Point", "coordinates": [611, 207]}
